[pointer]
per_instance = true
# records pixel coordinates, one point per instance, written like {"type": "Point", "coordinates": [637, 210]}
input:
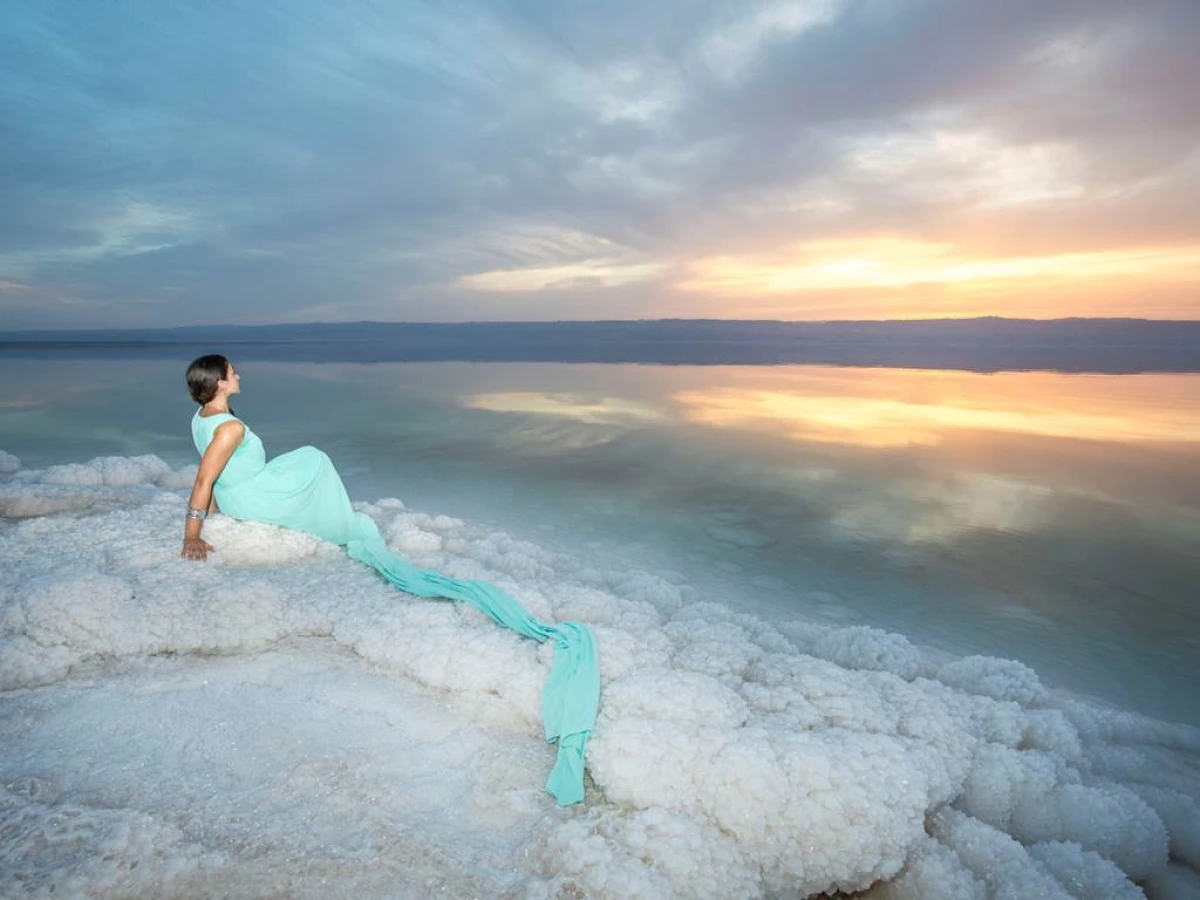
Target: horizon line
{"type": "Point", "coordinates": [661, 319]}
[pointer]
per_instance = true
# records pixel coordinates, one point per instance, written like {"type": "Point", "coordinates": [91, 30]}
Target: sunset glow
{"type": "Point", "coordinates": [896, 408]}
{"type": "Point", "coordinates": [898, 263]}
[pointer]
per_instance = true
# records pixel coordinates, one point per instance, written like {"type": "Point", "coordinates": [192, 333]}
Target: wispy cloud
{"type": "Point", "coordinates": [190, 162]}
{"type": "Point", "coordinates": [588, 273]}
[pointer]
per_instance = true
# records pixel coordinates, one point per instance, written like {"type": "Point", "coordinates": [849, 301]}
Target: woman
{"type": "Point", "coordinates": [302, 490]}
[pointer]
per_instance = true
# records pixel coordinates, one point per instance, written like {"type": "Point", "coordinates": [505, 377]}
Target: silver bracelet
{"type": "Point", "coordinates": [194, 513]}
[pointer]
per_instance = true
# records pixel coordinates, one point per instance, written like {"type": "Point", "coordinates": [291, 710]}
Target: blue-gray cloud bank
{"type": "Point", "coordinates": [175, 163]}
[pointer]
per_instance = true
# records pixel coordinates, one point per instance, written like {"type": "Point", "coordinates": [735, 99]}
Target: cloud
{"type": "Point", "coordinates": [734, 47]}
{"type": "Point", "coordinates": [899, 264]}
{"type": "Point", "coordinates": [199, 163]}
{"type": "Point", "coordinates": [593, 272]}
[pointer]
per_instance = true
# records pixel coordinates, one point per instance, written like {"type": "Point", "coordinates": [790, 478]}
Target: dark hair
{"type": "Point", "coordinates": [203, 375]}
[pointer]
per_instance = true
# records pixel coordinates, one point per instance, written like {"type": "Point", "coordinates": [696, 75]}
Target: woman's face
{"type": "Point", "coordinates": [232, 382]}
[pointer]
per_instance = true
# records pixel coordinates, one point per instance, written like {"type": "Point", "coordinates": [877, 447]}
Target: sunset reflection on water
{"type": "Point", "coordinates": [902, 407]}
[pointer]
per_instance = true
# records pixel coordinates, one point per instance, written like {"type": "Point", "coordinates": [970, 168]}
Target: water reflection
{"type": "Point", "coordinates": [1049, 517]}
{"type": "Point", "coordinates": [900, 407]}
{"type": "Point", "coordinates": [593, 410]}
{"type": "Point", "coordinates": [1046, 516]}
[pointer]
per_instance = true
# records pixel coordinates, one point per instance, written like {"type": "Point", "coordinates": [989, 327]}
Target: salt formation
{"type": "Point", "coordinates": [732, 758]}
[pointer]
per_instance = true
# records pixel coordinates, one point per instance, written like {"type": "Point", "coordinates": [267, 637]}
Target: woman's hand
{"type": "Point", "coordinates": [196, 548]}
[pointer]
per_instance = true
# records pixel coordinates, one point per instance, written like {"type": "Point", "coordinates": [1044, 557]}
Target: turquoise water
{"type": "Point", "coordinates": [1046, 517]}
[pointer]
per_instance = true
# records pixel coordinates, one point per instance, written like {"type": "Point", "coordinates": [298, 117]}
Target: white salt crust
{"type": "Point", "coordinates": [729, 760]}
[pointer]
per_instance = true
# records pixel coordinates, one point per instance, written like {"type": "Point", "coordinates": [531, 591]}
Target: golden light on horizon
{"type": "Point", "coordinates": [896, 263]}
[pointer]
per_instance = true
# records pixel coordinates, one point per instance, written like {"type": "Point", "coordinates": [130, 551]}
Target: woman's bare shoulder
{"type": "Point", "coordinates": [231, 427]}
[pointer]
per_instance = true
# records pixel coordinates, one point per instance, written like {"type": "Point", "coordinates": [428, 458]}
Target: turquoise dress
{"type": "Point", "coordinates": [301, 489]}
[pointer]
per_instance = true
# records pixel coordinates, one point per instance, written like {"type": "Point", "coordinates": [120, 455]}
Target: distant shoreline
{"type": "Point", "coordinates": [1120, 346]}
{"type": "Point", "coordinates": [994, 325]}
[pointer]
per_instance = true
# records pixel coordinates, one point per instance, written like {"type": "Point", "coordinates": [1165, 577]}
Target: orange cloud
{"type": "Point", "coordinates": [895, 263]}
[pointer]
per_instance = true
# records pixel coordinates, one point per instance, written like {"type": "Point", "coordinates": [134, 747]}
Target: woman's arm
{"type": "Point", "coordinates": [226, 439]}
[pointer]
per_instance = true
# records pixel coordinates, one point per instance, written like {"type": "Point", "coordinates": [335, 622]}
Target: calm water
{"type": "Point", "coordinates": [1051, 518]}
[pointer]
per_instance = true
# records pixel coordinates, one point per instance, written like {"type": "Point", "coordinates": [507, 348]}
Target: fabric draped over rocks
{"type": "Point", "coordinates": [302, 489]}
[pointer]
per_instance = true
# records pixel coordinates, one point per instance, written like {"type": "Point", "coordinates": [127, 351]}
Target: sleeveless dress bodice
{"type": "Point", "coordinates": [248, 459]}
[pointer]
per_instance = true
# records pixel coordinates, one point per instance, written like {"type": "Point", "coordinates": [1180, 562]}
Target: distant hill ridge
{"type": "Point", "coordinates": [1068, 331]}
{"type": "Point", "coordinates": [989, 344]}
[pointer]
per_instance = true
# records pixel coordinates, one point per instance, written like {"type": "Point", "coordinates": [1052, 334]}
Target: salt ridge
{"type": "Point", "coordinates": [732, 758]}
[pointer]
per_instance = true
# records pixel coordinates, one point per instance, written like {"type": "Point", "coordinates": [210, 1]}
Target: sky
{"type": "Point", "coordinates": [175, 163]}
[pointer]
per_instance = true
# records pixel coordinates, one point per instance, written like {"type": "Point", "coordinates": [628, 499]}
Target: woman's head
{"type": "Point", "coordinates": [211, 375]}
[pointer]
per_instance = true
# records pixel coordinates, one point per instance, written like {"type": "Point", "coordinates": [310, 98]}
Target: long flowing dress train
{"type": "Point", "coordinates": [301, 489]}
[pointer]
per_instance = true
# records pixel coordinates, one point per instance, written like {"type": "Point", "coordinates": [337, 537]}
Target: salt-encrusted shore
{"type": "Point", "coordinates": [280, 719]}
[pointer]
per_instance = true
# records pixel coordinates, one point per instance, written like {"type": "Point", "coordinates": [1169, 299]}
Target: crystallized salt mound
{"type": "Point", "coordinates": [57, 620]}
{"type": "Point", "coordinates": [103, 483]}
{"type": "Point", "coordinates": [111, 471]}
{"type": "Point", "coordinates": [1004, 679]}
{"type": "Point", "coordinates": [183, 477]}
{"type": "Point", "coordinates": [933, 872]}
{"type": "Point", "coordinates": [861, 647]}
{"type": "Point", "coordinates": [259, 544]}
{"type": "Point", "coordinates": [8, 463]}
{"type": "Point", "coordinates": [996, 859]}
{"type": "Point", "coordinates": [675, 856]}
{"type": "Point", "coordinates": [731, 759]}
{"type": "Point", "coordinates": [1084, 873]}
{"type": "Point", "coordinates": [1181, 816]}
{"type": "Point", "coordinates": [18, 501]}
{"type": "Point", "coordinates": [1036, 796]}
